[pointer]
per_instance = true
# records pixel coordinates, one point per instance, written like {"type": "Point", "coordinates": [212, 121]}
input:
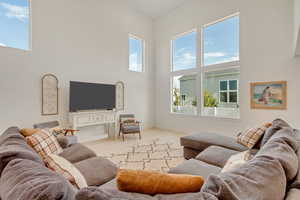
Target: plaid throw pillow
{"type": "Point", "coordinates": [250, 137]}
{"type": "Point", "coordinates": [44, 143]}
{"type": "Point", "coordinates": [63, 167]}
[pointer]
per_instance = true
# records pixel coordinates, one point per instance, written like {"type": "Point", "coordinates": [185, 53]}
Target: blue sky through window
{"type": "Point", "coordinates": [135, 54]}
{"type": "Point", "coordinates": [221, 41]}
{"type": "Point", "coordinates": [14, 23]}
{"type": "Point", "coordinates": [184, 51]}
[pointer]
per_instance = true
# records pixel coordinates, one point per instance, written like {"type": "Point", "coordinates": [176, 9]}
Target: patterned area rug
{"type": "Point", "coordinates": [154, 155]}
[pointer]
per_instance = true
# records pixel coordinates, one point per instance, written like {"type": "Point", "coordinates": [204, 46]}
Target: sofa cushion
{"type": "Point", "coordinates": [265, 176]}
{"type": "Point", "coordinates": [95, 193]}
{"type": "Point", "coordinates": [44, 143]}
{"type": "Point", "coordinates": [13, 145]}
{"type": "Point", "coordinates": [76, 153]}
{"type": "Point", "coordinates": [195, 167]}
{"type": "Point", "coordinates": [201, 141]}
{"type": "Point", "coordinates": [97, 170]}
{"type": "Point", "coordinates": [216, 156]}
{"type": "Point", "coordinates": [25, 179]}
{"type": "Point", "coordinates": [277, 124]}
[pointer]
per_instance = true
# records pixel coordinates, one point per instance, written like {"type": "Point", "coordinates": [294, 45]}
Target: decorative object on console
{"type": "Point", "coordinates": [269, 95]}
{"type": "Point", "coordinates": [49, 95]}
{"type": "Point", "coordinates": [120, 103]}
{"type": "Point", "coordinates": [252, 136]}
{"type": "Point", "coordinates": [128, 125]}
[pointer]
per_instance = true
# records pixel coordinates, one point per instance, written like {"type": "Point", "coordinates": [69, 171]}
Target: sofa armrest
{"type": "Point", "coordinates": [63, 141]}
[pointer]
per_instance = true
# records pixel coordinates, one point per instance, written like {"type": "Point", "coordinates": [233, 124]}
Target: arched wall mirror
{"type": "Point", "coordinates": [49, 95]}
{"type": "Point", "coordinates": [120, 96]}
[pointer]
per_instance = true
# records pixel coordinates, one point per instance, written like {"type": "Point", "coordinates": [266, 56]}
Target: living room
{"type": "Point", "coordinates": [185, 75]}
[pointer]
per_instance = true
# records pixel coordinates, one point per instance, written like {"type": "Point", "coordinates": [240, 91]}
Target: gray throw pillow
{"type": "Point", "coordinates": [277, 124]}
{"type": "Point", "coordinates": [25, 180]}
{"type": "Point", "coordinates": [13, 145]}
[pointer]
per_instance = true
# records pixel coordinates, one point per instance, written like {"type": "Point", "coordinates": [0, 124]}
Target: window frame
{"type": "Point", "coordinates": [29, 31]}
{"type": "Point", "coordinates": [228, 91]}
{"type": "Point", "coordinates": [132, 36]}
{"type": "Point", "coordinates": [173, 39]}
{"type": "Point", "coordinates": [217, 67]}
{"type": "Point", "coordinates": [185, 72]}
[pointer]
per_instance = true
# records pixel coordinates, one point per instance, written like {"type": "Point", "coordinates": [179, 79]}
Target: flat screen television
{"type": "Point", "coordinates": [91, 96]}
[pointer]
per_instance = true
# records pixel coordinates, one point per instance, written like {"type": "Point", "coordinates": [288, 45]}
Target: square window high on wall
{"type": "Point", "coordinates": [221, 68]}
{"type": "Point", "coordinates": [136, 54]}
{"type": "Point", "coordinates": [15, 24]}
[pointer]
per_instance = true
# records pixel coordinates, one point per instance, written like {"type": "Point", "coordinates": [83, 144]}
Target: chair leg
{"type": "Point", "coordinates": [140, 135]}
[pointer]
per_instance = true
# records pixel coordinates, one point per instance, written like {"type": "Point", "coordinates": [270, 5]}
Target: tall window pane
{"type": "Point", "coordinates": [221, 93]}
{"type": "Point", "coordinates": [221, 42]}
{"type": "Point", "coordinates": [184, 98]}
{"type": "Point", "coordinates": [136, 54]}
{"type": "Point", "coordinates": [15, 24]}
{"type": "Point", "coordinates": [184, 51]}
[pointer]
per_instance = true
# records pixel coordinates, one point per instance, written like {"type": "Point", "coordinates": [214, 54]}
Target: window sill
{"type": "Point", "coordinates": [205, 116]}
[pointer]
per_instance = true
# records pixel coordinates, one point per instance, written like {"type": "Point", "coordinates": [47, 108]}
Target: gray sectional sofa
{"type": "Point", "coordinates": [273, 173]}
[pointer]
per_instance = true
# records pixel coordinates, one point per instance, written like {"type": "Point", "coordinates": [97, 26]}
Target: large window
{"type": "Point", "coordinates": [136, 54]}
{"type": "Point", "coordinates": [15, 24]}
{"type": "Point", "coordinates": [212, 86]}
{"type": "Point", "coordinates": [184, 80]}
{"type": "Point", "coordinates": [220, 68]}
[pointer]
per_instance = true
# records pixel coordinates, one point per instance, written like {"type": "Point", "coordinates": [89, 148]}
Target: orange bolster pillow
{"type": "Point", "coordinates": [152, 183]}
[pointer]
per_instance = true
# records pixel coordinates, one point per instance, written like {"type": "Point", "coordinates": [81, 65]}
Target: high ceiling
{"type": "Point", "coordinates": [155, 8]}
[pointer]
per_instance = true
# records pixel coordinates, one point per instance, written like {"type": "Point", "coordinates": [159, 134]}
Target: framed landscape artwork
{"type": "Point", "coordinates": [269, 95]}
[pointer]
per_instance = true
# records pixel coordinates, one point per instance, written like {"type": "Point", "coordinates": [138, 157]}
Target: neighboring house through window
{"type": "Point", "coordinates": [228, 91]}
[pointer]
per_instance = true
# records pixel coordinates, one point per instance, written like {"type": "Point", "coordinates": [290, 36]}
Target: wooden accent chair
{"type": "Point", "coordinates": [129, 125]}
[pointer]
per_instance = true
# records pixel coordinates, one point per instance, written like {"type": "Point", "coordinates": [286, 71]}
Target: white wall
{"type": "Point", "coordinates": [81, 41]}
{"type": "Point", "coordinates": [267, 54]}
{"type": "Point", "coordinates": [297, 26]}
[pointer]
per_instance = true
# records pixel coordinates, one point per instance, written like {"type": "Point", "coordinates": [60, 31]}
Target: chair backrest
{"type": "Point", "coordinates": [45, 125]}
{"type": "Point", "coordinates": [122, 116]}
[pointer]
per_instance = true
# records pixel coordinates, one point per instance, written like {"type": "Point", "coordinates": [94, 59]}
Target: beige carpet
{"type": "Point", "coordinates": [158, 150]}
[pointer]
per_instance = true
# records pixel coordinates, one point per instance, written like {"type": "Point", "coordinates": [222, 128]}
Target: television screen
{"type": "Point", "coordinates": [92, 96]}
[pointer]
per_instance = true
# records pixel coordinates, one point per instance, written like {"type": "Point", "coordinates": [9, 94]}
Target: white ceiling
{"type": "Point", "coordinates": [155, 8]}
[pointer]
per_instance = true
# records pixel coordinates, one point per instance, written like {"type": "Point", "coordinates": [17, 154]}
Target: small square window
{"type": "Point", "coordinates": [136, 54]}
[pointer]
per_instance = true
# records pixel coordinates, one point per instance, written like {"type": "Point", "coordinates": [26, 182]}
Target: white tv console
{"type": "Point", "coordinates": [91, 118]}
